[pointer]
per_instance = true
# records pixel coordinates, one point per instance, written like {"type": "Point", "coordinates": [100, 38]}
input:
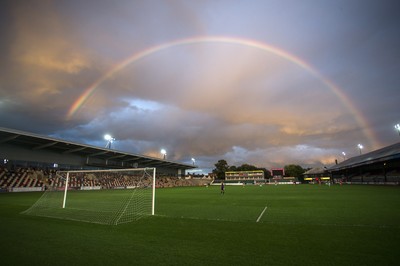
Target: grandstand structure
{"type": "Point", "coordinates": [381, 166]}
{"type": "Point", "coordinates": [18, 148]}
{"type": "Point", "coordinates": [24, 179]}
{"type": "Point", "coordinates": [316, 175]}
{"type": "Point", "coordinates": [245, 176]}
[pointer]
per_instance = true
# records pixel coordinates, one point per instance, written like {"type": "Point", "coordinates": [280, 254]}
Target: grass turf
{"type": "Point", "coordinates": [301, 225]}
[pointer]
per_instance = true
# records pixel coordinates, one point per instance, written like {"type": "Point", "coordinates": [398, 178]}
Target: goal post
{"type": "Point", "coordinates": [112, 196]}
{"type": "Point", "coordinates": [65, 190]}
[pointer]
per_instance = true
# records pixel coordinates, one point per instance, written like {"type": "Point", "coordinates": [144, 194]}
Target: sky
{"type": "Point", "coordinates": [267, 83]}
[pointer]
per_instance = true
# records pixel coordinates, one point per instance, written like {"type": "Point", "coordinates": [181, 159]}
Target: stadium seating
{"type": "Point", "coordinates": [26, 177]}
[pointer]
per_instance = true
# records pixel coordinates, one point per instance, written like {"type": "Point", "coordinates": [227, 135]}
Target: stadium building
{"type": "Point", "coordinates": [316, 175]}
{"type": "Point", "coordinates": [245, 176]}
{"type": "Point", "coordinates": [381, 166]}
{"type": "Point", "coordinates": [18, 148]}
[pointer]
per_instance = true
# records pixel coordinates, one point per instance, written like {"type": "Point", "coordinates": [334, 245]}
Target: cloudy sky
{"type": "Point", "coordinates": [265, 82]}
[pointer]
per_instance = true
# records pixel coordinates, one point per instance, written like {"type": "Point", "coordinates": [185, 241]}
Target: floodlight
{"type": "Point", "coordinates": [193, 160]}
{"type": "Point", "coordinates": [398, 128]}
{"type": "Point", "coordinates": [163, 152]}
{"type": "Point", "coordinates": [360, 147]}
{"type": "Point", "coordinates": [109, 139]}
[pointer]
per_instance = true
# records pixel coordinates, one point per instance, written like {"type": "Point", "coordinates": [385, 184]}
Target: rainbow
{"type": "Point", "coordinates": [362, 122]}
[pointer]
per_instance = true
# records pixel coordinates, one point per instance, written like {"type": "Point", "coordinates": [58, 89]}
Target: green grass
{"type": "Point", "coordinates": [302, 225]}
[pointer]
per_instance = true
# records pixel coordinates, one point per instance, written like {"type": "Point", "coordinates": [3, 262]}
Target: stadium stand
{"type": "Point", "coordinates": [29, 163]}
{"type": "Point", "coordinates": [14, 180]}
{"type": "Point", "coordinates": [381, 166]}
{"type": "Point", "coordinates": [18, 148]}
{"type": "Point", "coordinates": [21, 178]}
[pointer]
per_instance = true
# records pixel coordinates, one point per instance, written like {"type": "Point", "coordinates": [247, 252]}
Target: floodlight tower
{"type": "Point", "coordinates": [344, 156]}
{"type": "Point", "coordinates": [398, 128]}
{"type": "Point", "coordinates": [360, 147]}
{"type": "Point", "coordinates": [164, 153]}
{"type": "Point", "coordinates": [109, 139]}
{"type": "Point", "coordinates": [194, 161]}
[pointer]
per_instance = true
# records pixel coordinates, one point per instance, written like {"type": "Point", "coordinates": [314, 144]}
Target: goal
{"type": "Point", "coordinates": [98, 196]}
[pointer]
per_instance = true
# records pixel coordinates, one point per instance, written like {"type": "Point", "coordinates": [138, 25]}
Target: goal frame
{"type": "Point", "coordinates": [111, 170]}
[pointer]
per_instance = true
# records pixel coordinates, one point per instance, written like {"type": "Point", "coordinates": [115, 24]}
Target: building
{"type": "Point", "coordinates": [18, 148]}
{"type": "Point", "coordinates": [255, 175]}
{"type": "Point", "coordinates": [381, 166]}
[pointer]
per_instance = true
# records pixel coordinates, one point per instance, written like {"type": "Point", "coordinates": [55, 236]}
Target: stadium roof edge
{"type": "Point", "coordinates": [39, 142]}
{"type": "Point", "coordinates": [384, 154]}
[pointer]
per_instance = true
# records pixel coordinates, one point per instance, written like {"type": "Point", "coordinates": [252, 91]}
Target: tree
{"type": "Point", "coordinates": [220, 168]}
{"type": "Point", "coordinates": [247, 167]}
{"type": "Point", "coordinates": [267, 173]}
{"type": "Point", "coordinates": [232, 168]}
{"type": "Point", "coordinates": [294, 170]}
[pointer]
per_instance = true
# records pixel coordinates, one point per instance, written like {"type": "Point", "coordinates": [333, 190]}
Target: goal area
{"type": "Point", "coordinates": [110, 197]}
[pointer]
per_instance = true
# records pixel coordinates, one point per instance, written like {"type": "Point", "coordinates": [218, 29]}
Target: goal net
{"type": "Point", "coordinates": [98, 196]}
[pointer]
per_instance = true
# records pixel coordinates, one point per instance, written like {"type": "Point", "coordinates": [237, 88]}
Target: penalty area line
{"type": "Point", "coordinates": [262, 213]}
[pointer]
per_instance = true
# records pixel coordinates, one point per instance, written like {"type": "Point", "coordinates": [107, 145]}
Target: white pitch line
{"type": "Point", "coordinates": [262, 213]}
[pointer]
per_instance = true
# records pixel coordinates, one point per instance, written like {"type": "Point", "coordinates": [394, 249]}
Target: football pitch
{"type": "Point", "coordinates": [251, 225]}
